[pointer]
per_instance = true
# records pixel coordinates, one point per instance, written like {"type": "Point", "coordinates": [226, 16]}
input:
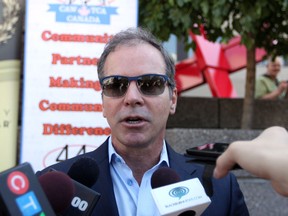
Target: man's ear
{"type": "Point", "coordinates": [172, 109]}
{"type": "Point", "coordinates": [103, 112]}
{"type": "Point", "coordinates": [173, 103]}
{"type": "Point", "coordinates": [103, 107]}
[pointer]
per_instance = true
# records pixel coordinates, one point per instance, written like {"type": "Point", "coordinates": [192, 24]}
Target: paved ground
{"type": "Point", "coordinates": [260, 197]}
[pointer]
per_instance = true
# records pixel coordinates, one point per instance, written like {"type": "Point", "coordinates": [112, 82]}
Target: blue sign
{"type": "Point", "coordinates": [83, 13]}
{"type": "Point", "coordinates": [28, 204]}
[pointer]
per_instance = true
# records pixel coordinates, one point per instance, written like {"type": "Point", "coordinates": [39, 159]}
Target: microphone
{"type": "Point", "coordinates": [59, 189]}
{"type": "Point", "coordinates": [164, 176]}
{"type": "Point", "coordinates": [21, 193]}
{"type": "Point", "coordinates": [84, 173]}
{"type": "Point", "coordinates": [177, 198]}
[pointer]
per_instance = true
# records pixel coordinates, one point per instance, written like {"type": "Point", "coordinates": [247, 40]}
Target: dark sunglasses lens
{"type": "Point", "coordinates": [115, 86]}
{"type": "Point", "coordinates": [152, 84]}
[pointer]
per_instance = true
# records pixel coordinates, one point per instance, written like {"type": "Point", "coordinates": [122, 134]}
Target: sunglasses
{"type": "Point", "coordinates": [148, 84]}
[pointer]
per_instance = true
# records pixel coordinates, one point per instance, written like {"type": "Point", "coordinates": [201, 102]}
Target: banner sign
{"type": "Point", "coordinates": [62, 111]}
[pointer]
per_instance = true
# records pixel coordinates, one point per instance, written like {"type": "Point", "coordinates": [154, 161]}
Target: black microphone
{"type": "Point", "coordinates": [59, 189]}
{"type": "Point", "coordinates": [21, 193]}
{"type": "Point", "coordinates": [84, 173]}
{"type": "Point", "coordinates": [164, 176]}
{"type": "Point", "coordinates": [177, 198]}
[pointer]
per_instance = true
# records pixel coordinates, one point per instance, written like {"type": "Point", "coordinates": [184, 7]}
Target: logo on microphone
{"type": "Point", "coordinates": [18, 183]}
{"type": "Point", "coordinates": [82, 205]}
{"type": "Point", "coordinates": [179, 192]}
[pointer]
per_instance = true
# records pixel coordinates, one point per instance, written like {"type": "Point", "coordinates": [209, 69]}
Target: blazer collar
{"type": "Point", "coordinates": [177, 161]}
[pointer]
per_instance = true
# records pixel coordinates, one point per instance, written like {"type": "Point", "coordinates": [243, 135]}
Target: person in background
{"type": "Point", "coordinates": [266, 156]}
{"type": "Point", "coordinates": [268, 86]}
{"type": "Point", "coordinates": [138, 95]}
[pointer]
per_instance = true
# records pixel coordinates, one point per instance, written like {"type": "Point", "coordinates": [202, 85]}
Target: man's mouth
{"type": "Point", "coordinates": [133, 120]}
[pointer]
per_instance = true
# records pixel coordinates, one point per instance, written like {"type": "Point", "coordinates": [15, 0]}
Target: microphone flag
{"type": "Point", "coordinates": [21, 193]}
{"type": "Point", "coordinates": [174, 199]}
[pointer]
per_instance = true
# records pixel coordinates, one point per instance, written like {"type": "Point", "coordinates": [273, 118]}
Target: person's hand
{"type": "Point", "coordinates": [266, 157]}
{"type": "Point", "coordinates": [282, 86]}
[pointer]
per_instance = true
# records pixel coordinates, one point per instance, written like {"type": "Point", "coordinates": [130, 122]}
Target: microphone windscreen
{"type": "Point", "coordinates": [85, 171]}
{"type": "Point", "coordinates": [188, 213]}
{"type": "Point", "coordinates": [164, 176]}
{"type": "Point", "coordinates": [59, 189]}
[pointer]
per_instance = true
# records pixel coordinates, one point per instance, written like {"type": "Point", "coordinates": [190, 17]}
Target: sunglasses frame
{"type": "Point", "coordinates": [134, 78]}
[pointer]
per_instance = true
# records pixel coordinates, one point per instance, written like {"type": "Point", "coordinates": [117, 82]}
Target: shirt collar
{"type": "Point", "coordinates": [112, 153]}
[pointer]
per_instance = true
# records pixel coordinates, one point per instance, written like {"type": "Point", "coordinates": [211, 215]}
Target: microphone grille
{"type": "Point", "coordinates": [85, 171]}
{"type": "Point", "coordinates": [188, 213]}
{"type": "Point", "coordinates": [164, 176]}
{"type": "Point", "coordinates": [59, 189]}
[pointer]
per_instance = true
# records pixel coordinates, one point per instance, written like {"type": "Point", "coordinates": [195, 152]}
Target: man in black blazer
{"type": "Point", "coordinates": [138, 94]}
{"type": "Point", "coordinates": [227, 198]}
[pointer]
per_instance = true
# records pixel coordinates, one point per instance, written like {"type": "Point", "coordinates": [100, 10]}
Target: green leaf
{"type": "Point", "coordinates": [171, 2]}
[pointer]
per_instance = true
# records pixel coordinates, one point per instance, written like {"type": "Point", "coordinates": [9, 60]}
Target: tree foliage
{"type": "Point", "coordinates": [261, 24]}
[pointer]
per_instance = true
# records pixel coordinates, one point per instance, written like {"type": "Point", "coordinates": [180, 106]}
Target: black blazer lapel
{"type": "Point", "coordinates": [184, 169]}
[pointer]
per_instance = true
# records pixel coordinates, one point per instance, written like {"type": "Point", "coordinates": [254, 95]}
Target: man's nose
{"type": "Point", "coordinates": [133, 94]}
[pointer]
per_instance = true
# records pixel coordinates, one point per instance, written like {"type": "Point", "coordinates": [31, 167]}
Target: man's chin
{"type": "Point", "coordinates": [135, 140]}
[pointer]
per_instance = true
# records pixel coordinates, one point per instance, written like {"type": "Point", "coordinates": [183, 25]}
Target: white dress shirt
{"type": "Point", "coordinates": [132, 199]}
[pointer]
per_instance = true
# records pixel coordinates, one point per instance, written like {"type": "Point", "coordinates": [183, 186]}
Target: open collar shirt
{"type": "Point", "coordinates": [132, 199]}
